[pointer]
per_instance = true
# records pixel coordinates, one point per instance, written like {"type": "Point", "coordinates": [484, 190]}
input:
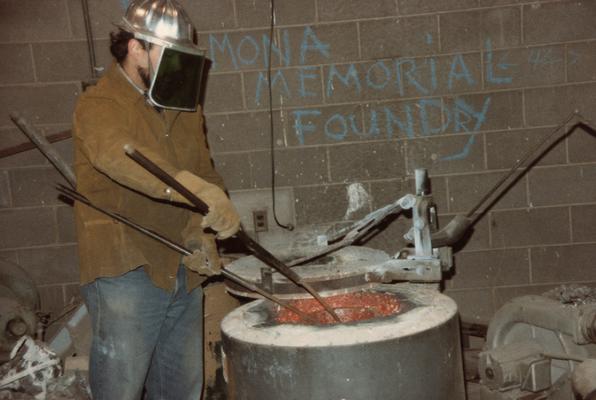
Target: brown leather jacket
{"type": "Point", "coordinates": [108, 116]}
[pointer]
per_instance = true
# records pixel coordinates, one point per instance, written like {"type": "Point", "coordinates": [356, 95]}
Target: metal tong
{"type": "Point", "coordinates": [74, 195]}
{"type": "Point", "coordinates": [52, 155]}
{"type": "Point", "coordinates": [259, 251]}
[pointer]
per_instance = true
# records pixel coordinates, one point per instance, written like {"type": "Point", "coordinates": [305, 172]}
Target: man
{"type": "Point", "coordinates": [145, 307]}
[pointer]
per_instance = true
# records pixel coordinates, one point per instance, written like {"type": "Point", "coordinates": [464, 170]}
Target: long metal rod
{"type": "Point", "coordinates": [45, 147]}
{"type": "Point", "coordinates": [518, 164]}
{"type": "Point", "coordinates": [74, 195]}
{"type": "Point", "coordinates": [259, 251]}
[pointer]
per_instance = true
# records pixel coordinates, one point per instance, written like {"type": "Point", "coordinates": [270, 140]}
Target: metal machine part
{"type": "Point", "coordinates": [19, 301]}
{"type": "Point", "coordinates": [346, 270]}
{"type": "Point", "coordinates": [535, 345]}
{"type": "Point", "coordinates": [412, 355]}
{"type": "Point", "coordinates": [331, 271]}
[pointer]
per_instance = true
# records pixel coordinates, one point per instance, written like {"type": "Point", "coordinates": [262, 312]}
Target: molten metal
{"type": "Point", "coordinates": [360, 306]}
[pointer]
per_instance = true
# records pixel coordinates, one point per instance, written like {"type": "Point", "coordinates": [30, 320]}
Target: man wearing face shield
{"type": "Point", "coordinates": [145, 304]}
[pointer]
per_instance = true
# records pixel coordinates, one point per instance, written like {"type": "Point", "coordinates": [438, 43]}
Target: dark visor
{"type": "Point", "coordinates": [177, 80]}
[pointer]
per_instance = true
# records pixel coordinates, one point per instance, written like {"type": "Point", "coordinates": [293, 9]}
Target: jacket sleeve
{"type": "Point", "coordinates": [102, 129]}
{"type": "Point", "coordinates": [205, 170]}
{"type": "Point", "coordinates": [205, 167]}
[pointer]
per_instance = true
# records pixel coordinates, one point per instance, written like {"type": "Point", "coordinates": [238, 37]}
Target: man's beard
{"type": "Point", "coordinates": [144, 74]}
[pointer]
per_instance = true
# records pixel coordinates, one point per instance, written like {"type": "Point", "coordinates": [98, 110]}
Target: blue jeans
{"type": "Point", "coordinates": [144, 336]}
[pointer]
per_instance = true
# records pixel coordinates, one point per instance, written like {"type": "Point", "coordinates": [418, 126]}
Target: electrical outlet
{"type": "Point", "coordinates": [259, 218]}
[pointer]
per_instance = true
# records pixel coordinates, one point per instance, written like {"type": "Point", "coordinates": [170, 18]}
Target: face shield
{"type": "Point", "coordinates": [176, 81]}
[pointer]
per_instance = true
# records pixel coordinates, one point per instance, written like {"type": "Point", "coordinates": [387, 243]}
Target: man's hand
{"type": "Point", "coordinates": [204, 258]}
{"type": "Point", "coordinates": [222, 216]}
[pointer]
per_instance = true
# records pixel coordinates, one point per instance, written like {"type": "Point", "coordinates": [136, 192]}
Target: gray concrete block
{"type": "Point", "coordinates": [406, 119]}
{"type": "Point", "coordinates": [35, 186]}
{"type": "Point", "coordinates": [9, 255]}
{"type": "Point", "coordinates": [61, 61]}
{"type": "Point", "coordinates": [103, 57]}
{"type": "Point", "coordinates": [290, 86]}
{"type": "Point", "coordinates": [27, 227]}
{"type": "Point", "coordinates": [466, 190]}
{"type": "Point", "coordinates": [52, 299]}
{"type": "Point", "coordinates": [293, 167]}
{"type": "Point", "coordinates": [323, 44]}
{"type": "Point", "coordinates": [446, 154]}
{"type": "Point", "coordinates": [327, 125]}
{"type": "Point", "coordinates": [458, 73]}
{"type": "Point", "coordinates": [66, 224]}
{"type": "Point", "coordinates": [470, 30]}
{"type": "Point", "coordinates": [573, 263]}
{"type": "Point", "coordinates": [581, 63]}
{"type": "Point", "coordinates": [236, 51]}
{"type": "Point", "coordinates": [366, 161]}
{"type": "Point", "coordinates": [559, 21]}
{"type": "Point", "coordinates": [39, 104]}
{"type": "Point", "coordinates": [211, 14]}
{"type": "Point", "coordinates": [16, 63]}
{"type": "Point", "coordinates": [534, 226]}
{"type": "Point", "coordinates": [287, 12]}
{"type": "Point", "coordinates": [581, 146]}
{"type": "Point", "coordinates": [490, 268]}
{"type": "Point", "coordinates": [244, 131]}
{"type": "Point", "coordinates": [235, 169]}
{"type": "Point", "coordinates": [5, 198]}
{"type": "Point", "coordinates": [10, 137]}
{"type": "Point", "coordinates": [104, 16]}
{"type": "Point", "coordinates": [32, 21]}
{"type": "Point", "coordinates": [367, 81]}
{"type": "Point", "coordinates": [582, 223]}
{"type": "Point", "coordinates": [482, 112]}
{"type": "Point", "coordinates": [51, 265]}
{"type": "Point", "coordinates": [401, 37]}
{"type": "Point", "coordinates": [388, 191]}
{"type": "Point", "coordinates": [505, 294]}
{"type": "Point", "coordinates": [523, 67]}
{"type": "Point", "coordinates": [335, 10]}
{"type": "Point", "coordinates": [402, 77]}
{"type": "Point", "coordinates": [224, 93]}
{"type": "Point", "coordinates": [491, 3]}
{"type": "Point", "coordinates": [504, 149]}
{"type": "Point", "coordinates": [474, 305]}
{"type": "Point", "coordinates": [563, 185]}
{"type": "Point", "coordinates": [478, 238]}
{"type": "Point", "coordinates": [552, 105]}
{"type": "Point", "coordinates": [33, 157]}
{"type": "Point", "coordinates": [430, 6]}
{"type": "Point", "coordinates": [323, 203]}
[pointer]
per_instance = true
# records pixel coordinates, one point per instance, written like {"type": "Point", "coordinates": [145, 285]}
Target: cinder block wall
{"type": "Point", "coordinates": [364, 93]}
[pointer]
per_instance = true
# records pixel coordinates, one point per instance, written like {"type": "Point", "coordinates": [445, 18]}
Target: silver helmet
{"type": "Point", "coordinates": [163, 22]}
{"type": "Point", "coordinates": [176, 80]}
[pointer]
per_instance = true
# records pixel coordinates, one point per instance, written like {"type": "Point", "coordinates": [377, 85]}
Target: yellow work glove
{"type": "Point", "coordinates": [222, 216]}
{"type": "Point", "coordinates": [204, 258]}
